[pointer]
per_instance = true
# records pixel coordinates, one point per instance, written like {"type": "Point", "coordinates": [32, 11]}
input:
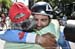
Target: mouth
{"type": "Point", "coordinates": [38, 28]}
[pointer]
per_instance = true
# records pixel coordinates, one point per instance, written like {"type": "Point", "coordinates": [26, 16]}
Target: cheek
{"type": "Point", "coordinates": [45, 23]}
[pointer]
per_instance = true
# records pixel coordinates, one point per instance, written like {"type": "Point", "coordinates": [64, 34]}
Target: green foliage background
{"type": "Point", "coordinates": [6, 3]}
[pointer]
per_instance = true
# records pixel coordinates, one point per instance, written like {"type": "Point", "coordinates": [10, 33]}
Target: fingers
{"type": "Point", "coordinates": [47, 41]}
{"type": "Point", "coordinates": [49, 34]}
{"type": "Point", "coordinates": [51, 37]}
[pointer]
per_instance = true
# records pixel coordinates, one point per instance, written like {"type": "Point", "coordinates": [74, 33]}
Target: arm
{"type": "Point", "coordinates": [46, 40]}
{"type": "Point", "coordinates": [18, 36]}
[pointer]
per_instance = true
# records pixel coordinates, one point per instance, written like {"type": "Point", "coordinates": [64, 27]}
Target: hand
{"type": "Point", "coordinates": [47, 41]}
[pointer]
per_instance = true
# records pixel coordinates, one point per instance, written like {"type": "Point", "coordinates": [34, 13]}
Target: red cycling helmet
{"type": "Point", "coordinates": [19, 12]}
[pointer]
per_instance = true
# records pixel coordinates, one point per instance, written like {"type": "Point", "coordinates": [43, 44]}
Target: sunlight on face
{"type": "Point", "coordinates": [41, 21]}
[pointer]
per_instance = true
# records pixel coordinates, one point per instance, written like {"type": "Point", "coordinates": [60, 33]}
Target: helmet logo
{"type": "Point", "coordinates": [19, 15]}
{"type": "Point", "coordinates": [48, 7]}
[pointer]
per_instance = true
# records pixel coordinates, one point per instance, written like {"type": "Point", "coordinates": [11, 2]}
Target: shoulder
{"type": "Point", "coordinates": [54, 23]}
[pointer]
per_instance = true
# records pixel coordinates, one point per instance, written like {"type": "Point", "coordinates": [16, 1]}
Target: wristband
{"type": "Point", "coordinates": [30, 37]}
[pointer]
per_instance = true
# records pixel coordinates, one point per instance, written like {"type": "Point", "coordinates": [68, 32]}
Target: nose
{"type": "Point", "coordinates": [38, 23]}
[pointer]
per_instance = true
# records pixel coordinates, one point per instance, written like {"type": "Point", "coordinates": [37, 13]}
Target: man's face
{"type": "Point", "coordinates": [41, 21]}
